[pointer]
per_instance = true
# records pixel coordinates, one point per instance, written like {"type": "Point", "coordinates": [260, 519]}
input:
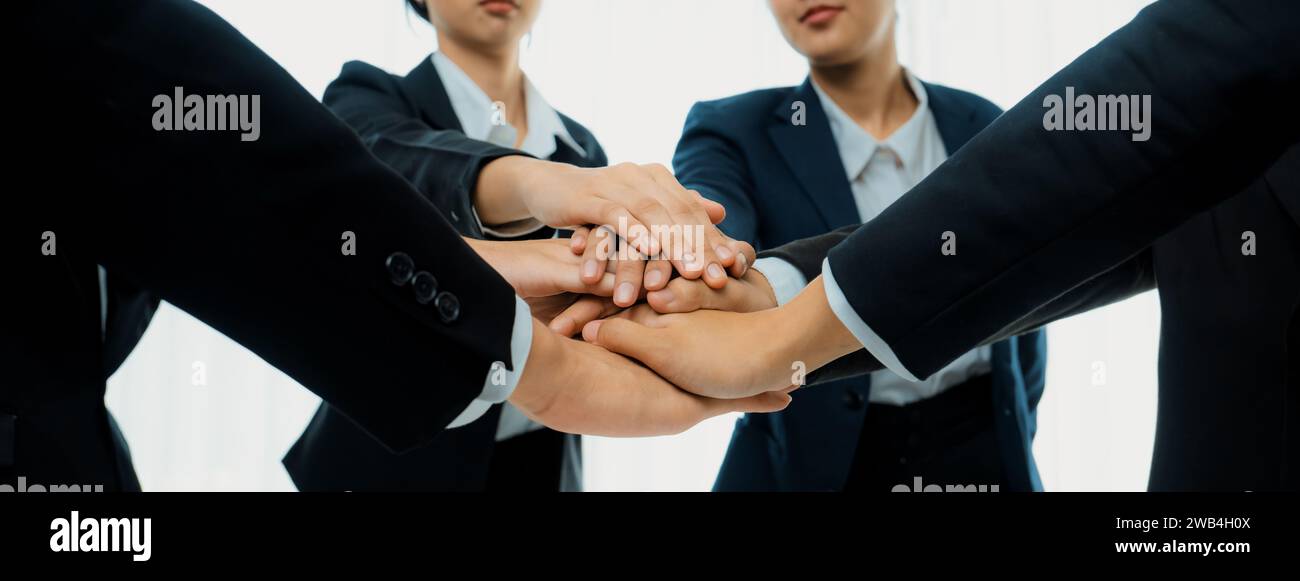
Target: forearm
{"type": "Point", "coordinates": [812, 334]}
{"type": "Point", "coordinates": [1069, 206]}
{"type": "Point", "coordinates": [296, 189]}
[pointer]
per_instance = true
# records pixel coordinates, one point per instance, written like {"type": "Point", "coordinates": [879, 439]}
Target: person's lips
{"type": "Point", "coordinates": [499, 7]}
{"type": "Point", "coordinates": [820, 14]}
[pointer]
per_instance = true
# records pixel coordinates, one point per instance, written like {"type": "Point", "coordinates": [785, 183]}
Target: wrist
{"type": "Point", "coordinates": [547, 359]}
{"type": "Point", "coordinates": [486, 250]}
{"type": "Point", "coordinates": [499, 195]}
{"type": "Point", "coordinates": [815, 335]}
{"type": "Point", "coordinates": [759, 280]}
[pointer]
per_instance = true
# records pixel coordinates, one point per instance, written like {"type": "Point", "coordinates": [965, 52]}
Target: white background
{"type": "Point", "coordinates": [629, 70]}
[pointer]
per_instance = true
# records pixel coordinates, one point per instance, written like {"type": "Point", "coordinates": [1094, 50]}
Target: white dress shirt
{"type": "Point", "coordinates": [879, 173]}
{"type": "Point", "coordinates": [482, 120]}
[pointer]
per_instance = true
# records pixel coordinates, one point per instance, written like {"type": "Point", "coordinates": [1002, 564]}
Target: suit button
{"type": "Point", "coordinates": [448, 307]}
{"type": "Point", "coordinates": [400, 266]}
{"type": "Point", "coordinates": [425, 286]}
{"type": "Point", "coordinates": [852, 400]}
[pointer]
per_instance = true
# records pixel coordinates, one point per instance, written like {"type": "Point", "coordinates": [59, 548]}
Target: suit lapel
{"type": "Point", "coordinates": [424, 86]}
{"type": "Point", "coordinates": [810, 152]}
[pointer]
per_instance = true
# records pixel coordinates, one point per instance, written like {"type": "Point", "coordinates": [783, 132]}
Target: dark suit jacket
{"type": "Point", "coordinates": [781, 182]}
{"type": "Point", "coordinates": [1038, 213]}
{"type": "Point", "coordinates": [246, 236]}
{"type": "Point", "coordinates": [400, 118]}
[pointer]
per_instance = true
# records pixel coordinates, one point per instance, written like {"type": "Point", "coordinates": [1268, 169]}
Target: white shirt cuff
{"type": "Point", "coordinates": [785, 279]}
{"type": "Point", "coordinates": [849, 317]}
{"type": "Point", "coordinates": [501, 382]}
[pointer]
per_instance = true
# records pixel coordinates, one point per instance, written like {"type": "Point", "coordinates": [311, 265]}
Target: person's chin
{"type": "Point", "coordinates": [826, 49]}
{"type": "Point", "coordinates": [829, 56]}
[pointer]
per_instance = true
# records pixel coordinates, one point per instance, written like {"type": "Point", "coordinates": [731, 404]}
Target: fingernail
{"type": "Point", "coordinates": [591, 331]}
{"type": "Point", "coordinates": [653, 278]}
{"type": "Point", "coordinates": [590, 269]}
{"type": "Point", "coordinates": [578, 241]}
{"type": "Point", "coordinates": [716, 271]}
{"type": "Point", "coordinates": [562, 325]}
{"type": "Point", "coordinates": [626, 293]}
{"type": "Point", "coordinates": [688, 260]}
{"type": "Point", "coordinates": [723, 252]}
{"type": "Point", "coordinates": [742, 264]}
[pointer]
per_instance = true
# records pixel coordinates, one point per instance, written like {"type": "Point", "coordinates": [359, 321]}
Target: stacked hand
{"type": "Point", "coordinates": [647, 293]}
{"type": "Point", "coordinates": [643, 203]}
{"type": "Point", "coordinates": [577, 387]}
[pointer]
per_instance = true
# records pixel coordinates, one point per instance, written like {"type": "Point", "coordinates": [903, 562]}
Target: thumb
{"type": "Point", "coordinates": [772, 401]}
{"type": "Point", "coordinates": [680, 296]}
{"type": "Point", "coordinates": [623, 337]}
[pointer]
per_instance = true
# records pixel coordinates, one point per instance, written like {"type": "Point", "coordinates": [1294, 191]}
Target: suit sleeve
{"type": "Point", "coordinates": [1036, 212]}
{"type": "Point", "coordinates": [709, 161]}
{"type": "Point", "coordinates": [248, 236]}
{"type": "Point", "coordinates": [1133, 277]}
{"type": "Point", "coordinates": [807, 254]}
{"type": "Point", "coordinates": [443, 164]}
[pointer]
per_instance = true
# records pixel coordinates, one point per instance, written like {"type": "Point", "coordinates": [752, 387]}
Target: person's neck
{"type": "Point", "coordinates": [497, 73]}
{"type": "Point", "coordinates": [873, 91]}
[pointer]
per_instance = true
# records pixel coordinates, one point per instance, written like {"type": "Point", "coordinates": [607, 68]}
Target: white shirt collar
{"type": "Point", "coordinates": [480, 120]}
{"type": "Point", "coordinates": [857, 147]}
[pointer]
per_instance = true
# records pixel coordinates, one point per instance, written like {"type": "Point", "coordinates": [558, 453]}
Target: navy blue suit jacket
{"type": "Point", "coordinates": [405, 121]}
{"type": "Point", "coordinates": [781, 182]}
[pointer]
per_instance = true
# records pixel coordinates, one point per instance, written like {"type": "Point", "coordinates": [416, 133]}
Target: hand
{"type": "Point", "coordinates": [568, 320]}
{"type": "Point", "coordinates": [732, 355]}
{"type": "Point", "coordinates": [541, 268]}
{"type": "Point", "coordinates": [645, 199]}
{"type": "Point", "coordinates": [574, 387]}
{"type": "Point", "coordinates": [631, 275]}
{"type": "Point", "coordinates": [749, 293]}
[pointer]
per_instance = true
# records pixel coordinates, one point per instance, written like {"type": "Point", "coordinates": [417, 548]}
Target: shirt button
{"type": "Point", "coordinates": [425, 286]}
{"type": "Point", "coordinates": [852, 400]}
{"type": "Point", "coordinates": [400, 266]}
{"type": "Point", "coordinates": [448, 307]}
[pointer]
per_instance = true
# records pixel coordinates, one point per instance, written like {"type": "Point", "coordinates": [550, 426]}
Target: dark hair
{"type": "Point", "coordinates": [418, 8]}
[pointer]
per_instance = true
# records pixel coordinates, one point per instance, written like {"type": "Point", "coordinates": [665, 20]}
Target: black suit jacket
{"type": "Point", "coordinates": [401, 119]}
{"type": "Point", "coordinates": [1038, 213]}
{"type": "Point", "coordinates": [245, 235]}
